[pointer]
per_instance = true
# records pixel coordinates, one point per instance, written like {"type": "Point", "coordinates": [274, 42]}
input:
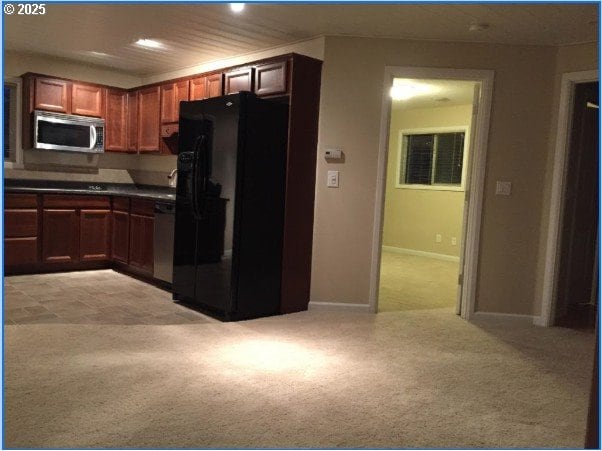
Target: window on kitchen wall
{"type": "Point", "coordinates": [12, 108]}
{"type": "Point", "coordinates": [432, 159]}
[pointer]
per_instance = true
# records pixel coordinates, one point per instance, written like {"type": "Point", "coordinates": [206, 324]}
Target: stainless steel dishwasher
{"type": "Point", "coordinates": [164, 236]}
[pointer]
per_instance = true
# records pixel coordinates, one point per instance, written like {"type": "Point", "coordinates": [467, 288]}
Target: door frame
{"type": "Point", "coordinates": [565, 112]}
{"type": "Point", "coordinates": [475, 183]}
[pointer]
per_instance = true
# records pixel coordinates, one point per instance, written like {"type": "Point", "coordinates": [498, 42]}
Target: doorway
{"type": "Point", "coordinates": [577, 283]}
{"type": "Point", "coordinates": [409, 156]}
{"type": "Point", "coordinates": [427, 169]}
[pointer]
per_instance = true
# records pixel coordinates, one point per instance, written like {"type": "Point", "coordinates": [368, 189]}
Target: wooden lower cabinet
{"type": "Point", "coordinates": [60, 233]}
{"type": "Point", "coordinates": [94, 235]}
{"type": "Point", "coordinates": [121, 236]}
{"type": "Point", "coordinates": [20, 251]}
{"type": "Point", "coordinates": [142, 229]}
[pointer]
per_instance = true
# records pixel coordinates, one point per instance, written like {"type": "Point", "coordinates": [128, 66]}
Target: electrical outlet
{"type": "Point", "coordinates": [438, 238]}
{"type": "Point", "coordinates": [453, 241]}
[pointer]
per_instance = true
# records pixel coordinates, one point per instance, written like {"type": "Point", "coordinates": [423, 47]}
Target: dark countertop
{"type": "Point", "coordinates": [92, 188]}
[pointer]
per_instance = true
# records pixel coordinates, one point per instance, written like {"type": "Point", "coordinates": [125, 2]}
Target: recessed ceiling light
{"type": "Point", "coordinates": [407, 90]}
{"type": "Point", "coordinates": [149, 43]}
{"type": "Point", "coordinates": [237, 7]}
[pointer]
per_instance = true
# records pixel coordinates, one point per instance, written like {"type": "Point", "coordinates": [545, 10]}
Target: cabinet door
{"type": "Point", "coordinates": [87, 100]}
{"type": "Point", "coordinates": [214, 85]}
{"type": "Point", "coordinates": [239, 80]}
{"type": "Point", "coordinates": [94, 235]}
{"type": "Point", "coordinates": [132, 121]}
{"type": "Point", "coordinates": [141, 242]}
{"type": "Point", "coordinates": [148, 120]}
{"type": "Point", "coordinates": [171, 96]}
{"type": "Point", "coordinates": [270, 78]}
{"type": "Point", "coordinates": [121, 236]}
{"type": "Point", "coordinates": [60, 237]}
{"type": "Point", "coordinates": [20, 251]}
{"type": "Point", "coordinates": [116, 121]}
{"type": "Point", "coordinates": [198, 88]}
{"type": "Point", "coordinates": [52, 95]}
{"type": "Point", "coordinates": [206, 87]}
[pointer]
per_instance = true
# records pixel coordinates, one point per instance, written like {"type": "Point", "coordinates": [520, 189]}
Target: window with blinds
{"type": "Point", "coordinates": [432, 159]}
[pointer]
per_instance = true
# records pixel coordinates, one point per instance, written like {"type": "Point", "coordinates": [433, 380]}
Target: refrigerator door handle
{"type": "Point", "coordinates": [196, 195]}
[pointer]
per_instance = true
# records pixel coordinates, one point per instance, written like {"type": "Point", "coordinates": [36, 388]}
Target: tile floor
{"type": "Point", "coordinates": [91, 297]}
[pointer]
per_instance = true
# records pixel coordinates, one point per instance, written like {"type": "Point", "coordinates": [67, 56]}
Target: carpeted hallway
{"type": "Point", "coordinates": [321, 378]}
{"type": "Point", "coordinates": [411, 282]}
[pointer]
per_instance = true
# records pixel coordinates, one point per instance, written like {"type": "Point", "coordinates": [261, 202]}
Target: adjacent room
{"type": "Point", "coordinates": [299, 225]}
{"type": "Point", "coordinates": [427, 173]}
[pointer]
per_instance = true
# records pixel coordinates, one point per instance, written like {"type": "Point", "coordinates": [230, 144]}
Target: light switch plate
{"type": "Point", "coordinates": [503, 188]}
{"type": "Point", "coordinates": [333, 179]}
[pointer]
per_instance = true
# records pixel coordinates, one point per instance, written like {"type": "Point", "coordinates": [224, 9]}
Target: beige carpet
{"type": "Point", "coordinates": [409, 282]}
{"type": "Point", "coordinates": [313, 379]}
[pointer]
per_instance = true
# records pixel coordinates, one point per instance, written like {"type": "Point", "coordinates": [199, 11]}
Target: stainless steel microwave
{"type": "Point", "coordinates": [68, 132]}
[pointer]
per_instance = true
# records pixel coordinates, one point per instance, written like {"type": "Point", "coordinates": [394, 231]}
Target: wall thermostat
{"type": "Point", "coordinates": [333, 154]}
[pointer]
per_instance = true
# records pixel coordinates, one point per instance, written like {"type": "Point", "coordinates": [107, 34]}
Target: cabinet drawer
{"type": "Point", "coordinates": [121, 203]}
{"type": "Point", "coordinates": [62, 201]}
{"type": "Point", "coordinates": [143, 207]}
{"type": "Point", "coordinates": [20, 223]}
{"type": "Point", "coordinates": [20, 201]}
{"type": "Point", "coordinates": [20, 251]}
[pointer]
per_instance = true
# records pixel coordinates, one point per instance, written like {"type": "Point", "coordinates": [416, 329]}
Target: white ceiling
{"type": "Point", "coordinates": [198, 33]}
{"type": "Point", "coordinates": [455, 91]}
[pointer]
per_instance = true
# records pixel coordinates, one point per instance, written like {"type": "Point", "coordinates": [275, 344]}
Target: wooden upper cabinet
{"type": "Point", "coordinates": [270, 79]}
{"type": "Point", "coordinates": [132, 121]}
{"type": "Point", "coordinates": [149, 121]}
{"type": "Point", "coordinates": [206, 87]}
{"type": "Point", "coordinates": [171, 96]}
{"type": "Point", "coordinates": [214, 85]}
{"type": "Point", "coordinates": [116, 119]}
{"type": "Point", "coordinates": [87, 100]}
{"type": "Point", "coordinates": [238, 80]}
{"type": "Point", "coordinates": [52, 95]}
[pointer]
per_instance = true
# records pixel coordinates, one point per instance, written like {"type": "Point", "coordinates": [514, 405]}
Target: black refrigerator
{"type": "Point", "coordinates": [230, 205]}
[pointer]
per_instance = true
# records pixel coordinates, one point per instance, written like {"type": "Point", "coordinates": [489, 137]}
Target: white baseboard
{"type": "Point", "coordinates": [401, 250]}
{"type": "Point", "coordinates": [338, 306]}
{"type": "Point", "coordinates": [540, 321]}
{"type": "Point", "coordinates": [516, 316]}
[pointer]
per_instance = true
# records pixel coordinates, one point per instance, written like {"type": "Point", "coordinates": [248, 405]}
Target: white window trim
{"type": "Point", "coordinates": [433, 130]}
{"type": "Point", "coordinates": [18, 163]}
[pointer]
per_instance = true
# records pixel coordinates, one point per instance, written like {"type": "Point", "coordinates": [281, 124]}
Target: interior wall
{"type": "Point", "coordinates": [570, 58]}
{"type": "Point", "coordinates": [413, 217]}
{"type": "Point", "coordinates": [350, 114]}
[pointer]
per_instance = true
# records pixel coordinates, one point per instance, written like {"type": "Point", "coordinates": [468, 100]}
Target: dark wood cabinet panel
{"type": "Point", "coordinates": [52, 95]}
{"type": "Point", "coordinates": [238, 80]}
{"type": "Point", "coordinates": [87, 100]}
{"type": "Point", "coordinates": [60, 236]}
{"type": "Point", "coordinates": [20, 251]}
{"type": "Point", "coordinates": [132, 121]}
{"type": "Point", "coordinates": [20, 201]}
{"type": "Point", "coordinates": [76, 201]}
{"type": "Point", "coordinates": [94, 229]}
{"type": "Point", "coordinates": [148, 120]}
{"type": "Point", "coordinates": [143, 207]}
{"type": "Point", "coordinates": [214, 85]}
{"type": "Point", "coordinates": [270, 79]}
{"type": "Point", "coordinates": [121, 203]}
{"type": "Point", "coordinates": [171, 96]}
{"type": "Point", "coordinates": [141, 241]}
{"type": "Point", "coordinates": [20, 223]}
{"type": "Point", "coordinates": [116, 121]}
{"type": "Point", "coordinates": [121, 236]}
